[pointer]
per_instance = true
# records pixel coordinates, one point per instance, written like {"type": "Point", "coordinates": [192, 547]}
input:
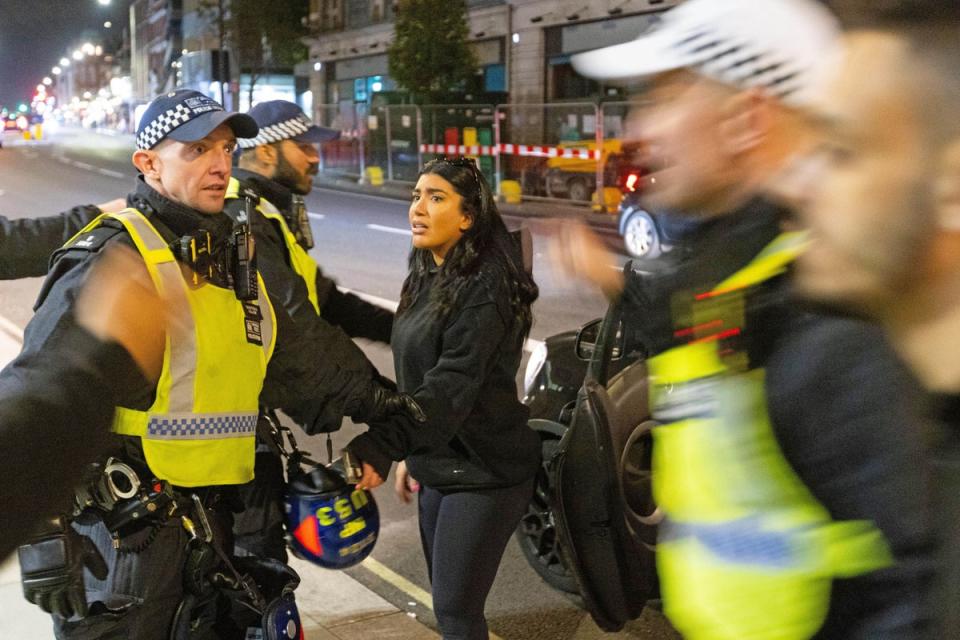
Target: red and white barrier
{"type": "Point", "coordinates": [536, 151]}
{"type": "Point", "coordinates": [460, 149]}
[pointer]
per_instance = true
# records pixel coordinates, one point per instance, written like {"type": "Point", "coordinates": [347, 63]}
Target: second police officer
{"type": "Point", "coordinates": [277, 166]}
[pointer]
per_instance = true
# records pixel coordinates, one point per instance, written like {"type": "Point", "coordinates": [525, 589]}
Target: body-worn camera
{"type": "Point", "coordinates": [230, 264]}
{"type": "Point", "coordinates": [300, 222]}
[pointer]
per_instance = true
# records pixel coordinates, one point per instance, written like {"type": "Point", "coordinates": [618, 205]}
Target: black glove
{"type": "Point", "coordinates": [385, 402]}
{"type": "Point", "coordinates": [51, 571]}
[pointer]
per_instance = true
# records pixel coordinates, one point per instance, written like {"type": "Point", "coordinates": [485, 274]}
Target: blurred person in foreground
{"type": "Point", "coordinates": [881, 194]}
{"type": "Point", "coordinates": [789, 465]}
{"type": "Point", "coordinates": [42, 455]}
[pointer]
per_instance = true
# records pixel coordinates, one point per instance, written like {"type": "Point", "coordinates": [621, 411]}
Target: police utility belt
{"type": "Point", "coordinates": [128, 502]}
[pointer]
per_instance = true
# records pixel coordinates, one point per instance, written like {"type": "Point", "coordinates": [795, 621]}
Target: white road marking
{"type": "Point", "coordinates": [10, 327]}
{"type": "Point", "coordinates": [111, 173]}
{"type": "Point", "coordinates": [316, 216]}
{"type": "Point", "coordinates": [83, 165]}
{"type": "Point", "coordinates": [400, 232]}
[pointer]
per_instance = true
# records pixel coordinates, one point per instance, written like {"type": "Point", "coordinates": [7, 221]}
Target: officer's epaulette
{"type": "Point", "coordinates": [83, 243]}
{"type": "Point", "coordinates": [93, 240]}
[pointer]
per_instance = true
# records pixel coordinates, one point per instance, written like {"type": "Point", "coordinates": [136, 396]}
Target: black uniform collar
{"type": "Point", "coordinates": [181, 220]}
{"type": "Point", "coordinates": [271, 190]}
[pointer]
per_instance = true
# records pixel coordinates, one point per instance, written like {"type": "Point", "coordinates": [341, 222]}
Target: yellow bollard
{"type": "Point", "coordinates": [26, 134]}
{"type": "Point", "coordinates": [511, 191]}
{"type": "Point", "coordinates": [38, 132]}
{"type": "Point", "coordinates": [374, 176]}
{"type": "Point", "coordinates": [611, 200]}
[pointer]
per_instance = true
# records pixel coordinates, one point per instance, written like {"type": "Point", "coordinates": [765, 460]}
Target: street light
{"type": "Point", "coordinates": [56, 71]}
{"type": "Point", "coordinates": [48, 81]}
{"type": "Point", "coordinates": [77, 55]}
{"type": "Point", "coordinates": [103, 3]}
{"type": "Point", "coordinates": [64, 62]}
{"type": "Point", "coordinates": [107, 24]}
{"type": "Point", "coordinates": [88, 48]}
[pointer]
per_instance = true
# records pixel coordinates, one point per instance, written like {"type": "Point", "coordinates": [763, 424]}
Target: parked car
{"type": "Point", "coordinates": [648, 235]}
{"type": "Point", "coordinates": [591, 524]}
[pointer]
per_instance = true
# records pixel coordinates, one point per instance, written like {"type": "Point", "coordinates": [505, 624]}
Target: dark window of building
{"type": "Point", "coordinates": [563, 83]}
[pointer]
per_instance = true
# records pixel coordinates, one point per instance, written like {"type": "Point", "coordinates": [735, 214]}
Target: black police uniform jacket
{"type": "Point", "coordinates": [357, 317]}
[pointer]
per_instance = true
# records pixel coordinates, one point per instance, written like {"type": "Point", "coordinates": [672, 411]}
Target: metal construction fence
{"type": "Point", "coordinates": [568, 151]}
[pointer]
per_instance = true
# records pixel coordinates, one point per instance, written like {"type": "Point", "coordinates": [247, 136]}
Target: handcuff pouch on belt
{"type": "Point", "coordinates": [123, 501]}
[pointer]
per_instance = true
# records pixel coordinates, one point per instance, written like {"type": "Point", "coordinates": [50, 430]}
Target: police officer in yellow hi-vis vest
{"type": "Point", "coordinates": [788, 463]}
{"type": "Point", "coordinates": [278, 166]}
{"type": "Point", "coordinates": [148, 544]}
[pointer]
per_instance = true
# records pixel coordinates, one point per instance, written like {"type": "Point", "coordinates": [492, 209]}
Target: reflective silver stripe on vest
{"type": "Point", "coordinates": [201, 426]}
{"type": "Point", "coordinates": [743, 541]}
{"type": "Point", "coordinates": [266, 324]}
{"type": "Point", "coordinates": [181, 327]}
{"type": "Point", "coordinates": [686, 400]}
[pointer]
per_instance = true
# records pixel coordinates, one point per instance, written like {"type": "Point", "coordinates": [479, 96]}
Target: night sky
{"type": "Point", "coordinates": [35, 34]}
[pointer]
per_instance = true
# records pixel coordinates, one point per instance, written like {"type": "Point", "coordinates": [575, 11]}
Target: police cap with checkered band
{"type": "Point", "coordinates": [283, 120]}
{"type": "Point", "coordinates": [188, 116]}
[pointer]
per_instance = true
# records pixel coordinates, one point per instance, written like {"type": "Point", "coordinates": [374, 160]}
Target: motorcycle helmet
{"type": "Point", "coordinates": [329, 522]}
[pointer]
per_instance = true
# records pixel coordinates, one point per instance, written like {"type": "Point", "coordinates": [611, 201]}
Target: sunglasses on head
{"type": "Point", "coordinates": [464, 163]}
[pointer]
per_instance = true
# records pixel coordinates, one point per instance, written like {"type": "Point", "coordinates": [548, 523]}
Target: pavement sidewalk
{"type": "Point", "coordinates": [333, 606]}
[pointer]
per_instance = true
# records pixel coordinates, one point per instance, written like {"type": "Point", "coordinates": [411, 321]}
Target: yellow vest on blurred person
{"type": "Point", "coordinates": [745, 550]}
{"type": "Point", "coordinates": [201, 428]}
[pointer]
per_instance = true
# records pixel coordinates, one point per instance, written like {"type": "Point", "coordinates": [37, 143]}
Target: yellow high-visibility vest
{"type": "Point", "coordinates": [200, 429]}
{"type": "Point", "coordinates": [300, 260]}
{"type": "Point", "coordinates": [745, 551]}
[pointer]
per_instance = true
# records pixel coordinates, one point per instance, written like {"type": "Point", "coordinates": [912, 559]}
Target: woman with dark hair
{"type": "Point", "coordinates": [457, 342]}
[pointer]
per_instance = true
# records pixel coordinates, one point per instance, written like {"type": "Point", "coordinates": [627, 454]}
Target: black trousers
{"type": "Point", "coordinates": [258, 529]}
{"type": "Point", "coordinates": [145, 583]}
{"type": "Point", "coordinates": [464, 534]}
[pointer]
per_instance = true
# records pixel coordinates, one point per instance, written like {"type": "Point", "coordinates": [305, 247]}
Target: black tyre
{"type": "Point", "coordinates": [537, 531]}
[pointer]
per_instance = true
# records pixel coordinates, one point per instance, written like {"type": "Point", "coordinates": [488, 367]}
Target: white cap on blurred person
{"type": "Point", "coordinates": [784, 46]}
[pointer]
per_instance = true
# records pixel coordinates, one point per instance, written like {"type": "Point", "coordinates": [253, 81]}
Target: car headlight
{"type": "Point", "coordinates": [537, 357]}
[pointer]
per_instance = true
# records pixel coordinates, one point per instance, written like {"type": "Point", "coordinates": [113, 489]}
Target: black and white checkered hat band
{"type": "Point", "coordinates": [163, 125]}
{"type": "Point", "coordinates": [738, 63]}
{"type": "Point", "coordinates": [276, 132]}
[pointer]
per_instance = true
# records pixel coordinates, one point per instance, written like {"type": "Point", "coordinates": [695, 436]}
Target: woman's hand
{"type": "Point", "coordinates": [404, 484]}
{"type": "Point", "coordinates": [370, 478]}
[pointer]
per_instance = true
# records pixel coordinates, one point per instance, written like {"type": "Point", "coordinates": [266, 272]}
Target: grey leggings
{"type": "Point", "coordinates": [464, 534]}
